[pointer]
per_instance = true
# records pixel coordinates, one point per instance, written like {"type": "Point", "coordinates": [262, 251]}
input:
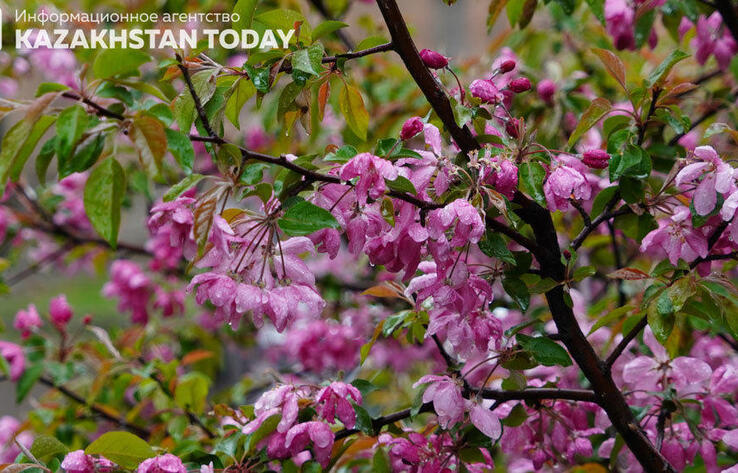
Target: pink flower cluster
{"type": "Point", "coordinates": [135, 290]}
{"type": "Point", "coordinates": [292, 439]}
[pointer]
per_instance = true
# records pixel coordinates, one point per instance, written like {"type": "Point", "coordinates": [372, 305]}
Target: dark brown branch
{"type": "Point", "coordinates": [140, 431]}
{"type": "Point", "coordinates": [607, 214]}
{"type": "Point", "coordinates": [534, 394]}
{"type": "Point", "coordinates": [99, 109]}
{"type": "Point", "coordinates": [195, 98]}
{"type": "Point", "coordinates": [428, 84]}
{"type": "Point", "coordinates": [287, 67]}
{"type": "Point", "coordinates": [620, 348]}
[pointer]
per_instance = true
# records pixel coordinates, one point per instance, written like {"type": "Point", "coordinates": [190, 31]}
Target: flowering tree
{"type": "Point", "coordinates": [523, 262]}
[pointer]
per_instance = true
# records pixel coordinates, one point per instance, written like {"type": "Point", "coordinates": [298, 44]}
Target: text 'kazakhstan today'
{"type": "Point", "coordinates": [150, 38]}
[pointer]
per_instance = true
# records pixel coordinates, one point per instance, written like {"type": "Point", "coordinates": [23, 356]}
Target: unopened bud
{"type": "Point", "coordinates": [410, 128]}
{"type": "Point", "coordinates": [519, 85]}
{"type": "Point", "coordinates": [433, 60]}
{"type": "Point", "coordinates": [507, 66]}
{"type": "Point", "coordinates": [596, 158]}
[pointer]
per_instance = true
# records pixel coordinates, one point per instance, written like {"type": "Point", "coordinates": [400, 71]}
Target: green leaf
{"type": "Point", "coordinates": [103, 196]}
{"type": "Point", "coordinates": [84, 157]}
{"type": "Point", "coordinates": [150, 140]}
{"type": "Point", "coordinates": [285, 20]}
{"type": "Point", "coordinates": [305, 218]}
{"type": "Point", "coordinates": [183, 185]}
{"type": "Point", "coordinates": [495, 246]}
{"type": "Point", "coordinates": [532, 175]}
{"type": "Point", "coordinates": [381, 462]}
{"type": "Point", "coordinates": [27, 381]}
{"type": "Point", "coordinates": [596, 110]}
{"type": "Point", "coordinates": [122, 448]}
{"type": "Point", "coordinates": [598, 9]}
{"type": "Point", "coordinates": [662, 71]}
{"type": "Point", "coordinates": [517, 289]}
{"type": "Point", "coordinates": [45, 155]}
{"type": "Point", "coordinates": [583, 272]}
{"type": "Point", "coordinates": [71, 124]}
{"type": "Point", "coordinates": [602, 199]}
{"type": "Point", "coordinates": [192, 392]}
{"type": "Point", "coordinates": [327, 27]}
{"type": "Point", "coordinates": [37, 131]}
{"type": "Point", "coordinates": [45, 447]}
{"type": "Point", "coordinates": [118, 62]}
{"type": "Point", "coordinates": [353, 110]}
{"type": "Point", "coordinates": [402, 184]}
{"type": "Point", "coordinates": [544, 350]}
{"type": "Point", "coordinates": [610, 317]}
{"type": "Point", "coordinates": [181, 148]}
{"type": "Point", "coordinates": [245, 10]}
{"type": "Point", "coordinates": [243, 90]}
{"type": "Point", "coordinates": [308, 60]}
{"type": "Point", "coordinates": [46, 87]}
{"type": "Point", "coordinates": [363, 420]}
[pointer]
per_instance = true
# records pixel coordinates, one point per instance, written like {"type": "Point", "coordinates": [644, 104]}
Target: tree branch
{"type": "Point", "coordinates": [533, 394]}
{"type": "Point", "coordinates": [141, 431]}
{"type": "Point", "coordinates": [195, 98]}
{"type": "Point", "coordinates": [434, 93]}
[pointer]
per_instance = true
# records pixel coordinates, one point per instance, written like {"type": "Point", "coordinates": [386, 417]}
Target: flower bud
{"type": "Point", "coordinates": [87, 320]}
{"type": "Point", "coordinates": [433, 60]}
{"type": "Point", "coordinates": [485, 90]}
{"type": "Point", "coordinates": [596, 158]}
{"type": "Point", "coordinates": [59, 311]}
{"type": "Point", "coordinates": [410, 128]}
{"type": "Point", "coordinates": [521, 84]}
{"type": "Point", "coordinates": [512, 128]}
{"type": "Point", "coordinates": [546, 90]}
{"type": "Point", "coordinates": [507, 66]}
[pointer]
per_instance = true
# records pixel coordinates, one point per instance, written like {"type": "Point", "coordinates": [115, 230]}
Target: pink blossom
{"type": "Point", "coordinates": [563, 184]}
{"type": "Point", "coordinates": [77, 462]}
{"type": "Point", "coordinates": [713, 39]}
{"type": "Point", "coordinates": [132, 287]}
{"type": "Point", "coordinates": [469, 225]}
{"type": "Point", "coordinates": [319, 433]}
{"type": "Point", "coordinates": [502, 175]}
{"type": "Point", "coordinates": [333, 401]}
{"type": "Point", "coordinates": [675, 238]}
{"type": "Point", "coordinates": [717, 177]}
{"type": "Point", "coordinates": [13, 354]}
{"type": "Point", "coordinates": [620, 21]}
{"type": "Point", "coordinates": [506, 65]}
{"type": "Point", "coordinates": [59, 311]}
{"type": "Point", "coordinates": [281, 400]}
{"type": "Point", "coordinates": [27, 321]}
{"type": "Point", "coordinates": [166, 463]}
{"type": "Point", "coordinates": [485, 90]}
{"type": "Point", "coordinates": [486, 421]}
{"type": "Point", "coordinates": [546, 90]}
{"type": "Point", "coordinates": [445, 394]}
{"type": "Point", "coordinates": [371, 171]}
{"type": "Point", "coordinates": [645, 373]}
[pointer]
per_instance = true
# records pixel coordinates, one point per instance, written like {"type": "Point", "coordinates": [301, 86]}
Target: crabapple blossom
{"type": "Point", "coordinates": [371, 171]}
{"type": "Point", "coordinates": [27, 321]}
{"type": "Point", "coordinates": [166, 463]}
{"type": "Point", "coordinates": [596, 158]}
{"type": "Point", "coordinates": [78, 462]}
{"type": "Point", "coordinates": [59, 311]}
{"type": "Point", "coordinates": [718, 178]}
{"type": "Point", "coordinates": [565, 183]}
{"type": "Point", "coordinates": [676, 238]}
{"type": "Point", "coordinates": [15, 358]}
{"type": "Point", "coordinates": [333, 401]}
